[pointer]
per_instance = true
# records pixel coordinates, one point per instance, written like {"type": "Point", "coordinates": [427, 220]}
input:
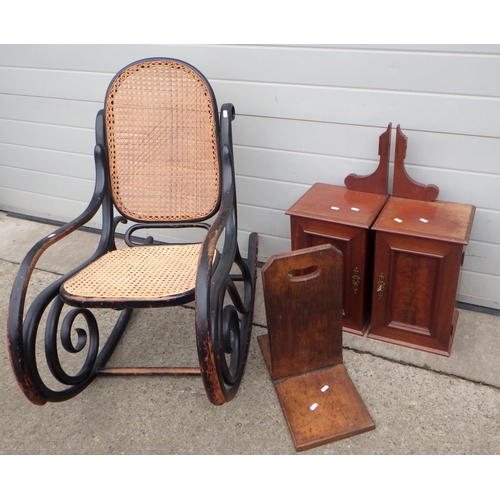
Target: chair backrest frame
{"type": "Point", "coordinates": [163, 142]}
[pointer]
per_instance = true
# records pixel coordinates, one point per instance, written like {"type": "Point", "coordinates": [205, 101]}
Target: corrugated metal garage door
{"type": "Point", "coordinates": [305, 114]}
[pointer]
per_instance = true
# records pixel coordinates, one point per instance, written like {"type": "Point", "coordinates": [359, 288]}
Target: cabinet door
{"type": "Point", "coordinates": [353, 242]}
{"type": "Point", "coordinates": [414, 289]}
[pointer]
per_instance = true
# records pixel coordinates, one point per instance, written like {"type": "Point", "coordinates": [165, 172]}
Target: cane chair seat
{"type": "Point", "coordinates": [158, 273]}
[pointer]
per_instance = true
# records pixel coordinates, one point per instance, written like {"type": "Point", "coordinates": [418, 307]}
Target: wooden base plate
{"type": "Point", "coordinates": [320, 406]}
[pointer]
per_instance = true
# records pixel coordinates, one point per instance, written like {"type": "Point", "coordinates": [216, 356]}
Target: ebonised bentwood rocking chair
{"type": "Point", "coordinates": [163, 159]}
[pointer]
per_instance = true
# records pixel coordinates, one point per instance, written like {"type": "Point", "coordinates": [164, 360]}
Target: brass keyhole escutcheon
{"type": "Point", "coordinates": [380, 285]}
{"type": "Point", "coordinates": [356, 280]}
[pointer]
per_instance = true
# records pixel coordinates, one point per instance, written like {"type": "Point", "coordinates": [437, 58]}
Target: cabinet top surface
{"type": "Point", "coordinates": [338, 204]}
{"type": "Point", "coordinates": [439, 220]}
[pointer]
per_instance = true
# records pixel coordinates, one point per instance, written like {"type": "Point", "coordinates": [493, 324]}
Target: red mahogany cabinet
{"type": "Point", "coordinates": [341, 217]}
{"type": "Point", "coordinates": [418, 255]}
{"type": "Point", "coordinates": [401, 254]}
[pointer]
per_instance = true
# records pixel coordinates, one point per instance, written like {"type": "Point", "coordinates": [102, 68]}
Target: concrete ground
{"type": "Point", "coordinates": [421, 403]}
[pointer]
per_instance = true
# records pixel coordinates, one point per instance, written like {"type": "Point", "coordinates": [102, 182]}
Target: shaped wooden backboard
{"type": "Point", "coordinates": [403, 185]}
{"type": "Point", "coordinates": [303, 349]}
{"type": "Point", "coordinates": [377, 181]}
{"type": "Point", "coordinates": [303, 297]}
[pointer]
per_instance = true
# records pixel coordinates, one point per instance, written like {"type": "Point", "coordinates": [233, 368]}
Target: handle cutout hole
{"type": "Point", "coordinates": [305, 274]}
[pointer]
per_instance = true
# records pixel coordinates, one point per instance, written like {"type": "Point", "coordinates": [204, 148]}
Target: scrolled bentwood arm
{"type": "Point", "coordinates": [15, 337]}
{"type": "Point", "coordinates": [209, 280]}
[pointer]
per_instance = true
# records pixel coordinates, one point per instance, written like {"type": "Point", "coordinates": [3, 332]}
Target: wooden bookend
{"type": "Point", "coordinates": [403, 185]}
{"type": "Point", "coordinates": [377, 181]}
{"type": "Point", "coordinates": [303, 349]}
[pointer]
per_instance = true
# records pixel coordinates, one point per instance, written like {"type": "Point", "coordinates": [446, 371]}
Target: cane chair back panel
{"type": "Point", "coordinates": [162, 142]}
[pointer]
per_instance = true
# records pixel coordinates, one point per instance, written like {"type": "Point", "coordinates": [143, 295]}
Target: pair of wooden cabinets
{"type": "Point", "coordinates": [402, 254]}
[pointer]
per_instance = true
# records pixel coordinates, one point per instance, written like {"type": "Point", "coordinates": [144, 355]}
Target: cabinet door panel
{"type": "Point", "coordinates": [415, 282]}
{"type": "Point", "coordinates": [414, 288]}
{"type": "Point", "coordinates": [356, 283]}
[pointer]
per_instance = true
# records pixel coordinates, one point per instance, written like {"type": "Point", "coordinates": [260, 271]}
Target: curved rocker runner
{"type": "Point", "coordinates": [163, 160]}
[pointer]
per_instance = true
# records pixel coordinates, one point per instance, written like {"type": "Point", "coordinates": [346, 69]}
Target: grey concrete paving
{"type": "Point", "coordinates": [421, 403]}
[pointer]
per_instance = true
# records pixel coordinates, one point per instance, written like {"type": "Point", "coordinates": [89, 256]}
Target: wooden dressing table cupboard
{"type": "Point", "coordinates": [402, 254]}
{"type": "Point", "coordinates": [419, 251]}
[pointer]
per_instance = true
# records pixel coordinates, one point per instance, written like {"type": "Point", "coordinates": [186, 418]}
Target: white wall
{"type": "Point", "coordinates": [305, 114]}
